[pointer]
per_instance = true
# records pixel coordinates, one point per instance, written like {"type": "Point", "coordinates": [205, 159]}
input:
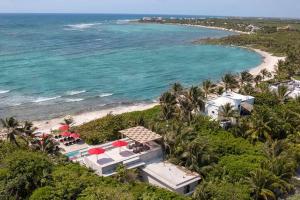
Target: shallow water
{"type": "Point", "coordinates": [57, 64]}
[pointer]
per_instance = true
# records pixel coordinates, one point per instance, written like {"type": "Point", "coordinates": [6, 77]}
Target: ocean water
{"type": "Point", "coordinates": [57, 64]}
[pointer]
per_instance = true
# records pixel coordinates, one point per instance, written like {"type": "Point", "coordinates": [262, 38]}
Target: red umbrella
{"type": "Point", "coordinates": [119, 143]}
{"type": "Point", "coordinates": [96, 151]}
{"type": "Point", "coordinates": [64, 127]}
{"type": "Point", "coordinates": [75, 135]}
{"type": "Point", "coordinates": [65, 134]}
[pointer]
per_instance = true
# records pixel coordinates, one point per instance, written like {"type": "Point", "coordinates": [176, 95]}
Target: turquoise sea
{"type": "Point", "coordinates": [57, 64]}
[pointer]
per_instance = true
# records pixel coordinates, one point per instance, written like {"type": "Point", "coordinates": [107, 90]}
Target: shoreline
{"type": "Point", "coordinates": [215, 28]}
{"type": "Point", "coordinates": [269, 62]}
{"type": "Point", "coordinates": [46, 126]}
{"type": "Point", "coordinates": [200, 26]}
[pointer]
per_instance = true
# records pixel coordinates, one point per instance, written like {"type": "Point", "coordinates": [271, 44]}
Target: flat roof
{"type": "Point", "coordinates": [220, 101]}
{"type": "Point", "coordinates": [140, 134]}
{"type": "Point", "coordinates": [172, 175]}
{"type": "Point", "coordinates": [234, 95]}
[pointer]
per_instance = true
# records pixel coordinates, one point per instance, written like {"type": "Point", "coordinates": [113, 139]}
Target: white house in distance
{"type": "Point", "coordinates": [153, 169]}
{"type": "Point", "coordinates": [238, 101]}
{"type": "Point", "coordinates": [293, 87]}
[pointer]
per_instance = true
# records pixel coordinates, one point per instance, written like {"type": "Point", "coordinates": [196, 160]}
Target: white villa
{"type": "Point", "coordinates": [238, 101]}
{"type": "Point", "coordinates": [293, 88]}
{"type": "Point", "coordinates": [153, 169]}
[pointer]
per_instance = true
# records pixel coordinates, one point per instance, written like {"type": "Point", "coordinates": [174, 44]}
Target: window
{"type": "Point", "coordinates": [187, 189]}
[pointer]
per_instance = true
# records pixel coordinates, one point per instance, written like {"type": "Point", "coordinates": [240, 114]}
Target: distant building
{"type": "Point", "coordinates": [238, 101]}
{"type": "Point", "coordinates": [147, 19]}
{"type": "Point", "coordinates": [293, 87]}
{"type": "Point", "coordinates": [284, 28]}
{"type": "Point", "coordinates": [252, 28]}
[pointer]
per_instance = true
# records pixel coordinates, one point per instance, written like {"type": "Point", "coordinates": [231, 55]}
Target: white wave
{"type": "Point", "coordinates": [74, 100]}
{"type": "Point", "coordinates": [99, 39]}
{"type": "Point", "coordinates": [105, 94]}
{"type": "Point", "coordinates": [42, 99]}
{"type": "Point", "coordinates": [81, 26]}
{"type": "Point", "coordinates": [4, 91]}
{"type": "Point", "coordinates": [70, 93]}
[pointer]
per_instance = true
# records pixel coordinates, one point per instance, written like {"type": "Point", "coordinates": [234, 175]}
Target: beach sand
{"type": "Point", "coordinates": [46, 126]}
{"type": "Point", "coordinates": [217, 28]}
{"type": "Point", "coordinates": [269, 63]}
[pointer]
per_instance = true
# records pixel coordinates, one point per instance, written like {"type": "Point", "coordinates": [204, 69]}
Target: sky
{"type": "Point", "coordinates": [258, 8]}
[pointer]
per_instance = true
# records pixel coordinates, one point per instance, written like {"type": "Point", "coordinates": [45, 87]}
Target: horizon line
{"type": "Point", "coordinates": [161, 14]}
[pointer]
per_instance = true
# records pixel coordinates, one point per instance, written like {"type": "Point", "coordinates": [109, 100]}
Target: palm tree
{"type": "Point", "coordinates": [257, 79]}
{"type": "Point", "coordinates": [45, 144]}
{"type": "Point", "coordinates": [282, 94]}
{"type": "Point", "coordinates": [229, 81]}
{"type": "Point", "coordinates": [186, 109]}
{"type": "Point", "coordinates": [207, 87]}
{"type": "Point", "coordinates": [27, 131]}
{"type": "Point", "coordinates": [260, 183]}
{"type": "Point", "coordinates": [195, 96]}
{"type": "Point", "coordinates": [176, 89]}
{"type": "Point", "coordinates": [220, 90]}
{"type": "Point", "coordinates": [265, 73]}
{"type": "Point", "coordinates": [245, 77]}
{"type": "Point", "coordinates": [68, 120]}
{"type": "Point", "coordinates": [259, 126]}
{"type": "Point", "coordinates": [247, 89]}
{"type": "Point", "coordinates": [227, 112]}
{"type": "Point", "coordinates": [168, 102]}
{"type": "Point", "coordinates": [13, 129]}
{"type": "Point", "coordinates": [197, 155]}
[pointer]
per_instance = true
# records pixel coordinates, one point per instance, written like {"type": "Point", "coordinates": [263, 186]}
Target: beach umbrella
{"type": "Point", "coordinates": [75, 135]}
{"type": "Point", "coordinates": [119, 143]}
{"type": "Point", "coordinates": [64, 127]}
{"type": "Point", "coordinates": [96, 151]}
{"type": "Point", "coordinates": [65, 134]}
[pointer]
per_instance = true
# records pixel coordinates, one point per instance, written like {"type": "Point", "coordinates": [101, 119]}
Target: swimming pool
{"type": "Point", "coordinates": [76, 153]}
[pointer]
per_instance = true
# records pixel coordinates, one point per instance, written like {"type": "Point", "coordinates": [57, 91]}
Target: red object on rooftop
{"type": "Point", "coordinates": [119, 143]}
{"type": "Point", "coordinates": [66, 134]}
{"type": "Point", "coordinates": [75, 135]}
{"type": "Point", "coordinates": [64, 127]}
{"type": "Point", "coordinates": [96, 151]}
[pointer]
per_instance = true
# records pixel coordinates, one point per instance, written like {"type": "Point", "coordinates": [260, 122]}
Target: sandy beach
{"type": "Point", "coordinates": [269, 62]}
{"type": "Point", "coordinates": [217, 28]}
{"type": "Point", "coordinates": [46, 126]}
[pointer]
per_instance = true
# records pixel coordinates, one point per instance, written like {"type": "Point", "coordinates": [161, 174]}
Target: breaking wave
{"type": "Point", "coordinates": [4, 91]}
{"type": "Point", "coordinates": [71, 93]}
{"type": "Point", "coordinates": [42, 99]}
{"type": "Point", "coordinates": [105, 94]}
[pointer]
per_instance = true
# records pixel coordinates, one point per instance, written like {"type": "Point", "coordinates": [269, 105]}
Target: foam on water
{"type": "Point", "coordinates": [81, 26]}
{"type": "Point", "coordinates": [43, 99]}
{"type": "Point", "coordinates": [105, 94]}
{"type": "Point", "coordinates": [4, 91]}
{"type": "Point", "coordinates": [74, 100]}
{"type": "Point", "coordinates": [74, 92]}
